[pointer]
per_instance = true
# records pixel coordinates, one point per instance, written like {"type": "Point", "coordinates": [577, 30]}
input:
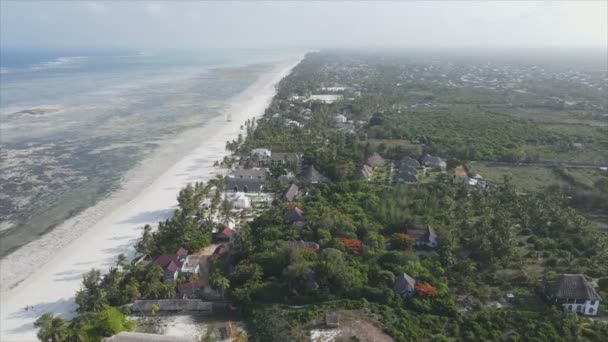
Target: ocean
{"type": "Point", "coordinates": [73, 122]}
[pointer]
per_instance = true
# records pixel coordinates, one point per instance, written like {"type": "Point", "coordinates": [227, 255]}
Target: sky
{"type": "Point", "coordinates": [292, 24]}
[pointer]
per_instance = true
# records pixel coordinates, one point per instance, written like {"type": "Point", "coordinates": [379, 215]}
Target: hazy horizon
{"type": "Point", "coordinates": [313, 25]}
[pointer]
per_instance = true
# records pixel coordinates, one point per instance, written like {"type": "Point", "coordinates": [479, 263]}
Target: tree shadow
{"type": "Point", "coordinates": [147, 217]}
{"type": "Point", "coordinates": [65, 308]}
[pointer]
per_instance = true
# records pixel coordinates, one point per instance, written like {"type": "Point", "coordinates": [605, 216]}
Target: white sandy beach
{"type": "Point", "coordinates": [47, 272]}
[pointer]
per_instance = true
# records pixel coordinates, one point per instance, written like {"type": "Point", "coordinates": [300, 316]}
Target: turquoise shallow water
{"type": "Point", "coordinates": [73, 122]}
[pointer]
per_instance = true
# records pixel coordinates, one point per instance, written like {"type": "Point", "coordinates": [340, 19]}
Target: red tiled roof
{"type": "Point", "coordinates": [165, 259]}
{"type": "Point", "coordinates": [172, 267]}
{"type": "Point", "coordinates": [168, 262]}
{"type": "Point", "coordinates": [182, 252]}
{"type": "Point", "coordinates": [227, 231]}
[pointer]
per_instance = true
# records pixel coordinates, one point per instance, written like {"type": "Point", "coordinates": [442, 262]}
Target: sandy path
{"type": "Point", "coordinates": [48, 271]}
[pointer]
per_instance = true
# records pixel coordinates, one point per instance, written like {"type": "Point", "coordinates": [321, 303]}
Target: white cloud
{"type": "Point", "coordinates": [155, 8]}
{"type": "Point", "coordinates": [95, 6]}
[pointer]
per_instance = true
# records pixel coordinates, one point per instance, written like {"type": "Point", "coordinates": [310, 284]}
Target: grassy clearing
{"type": "Point", "coordinates": [550, 115]}
{"type": "Point", "coordinates": [413, 149]}
{"type": "Point", "coordinates": [525, 178]}
{"type": "Point", "coordinates": [587, 177]}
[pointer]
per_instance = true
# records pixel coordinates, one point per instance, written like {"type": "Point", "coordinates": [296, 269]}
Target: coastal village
{"type": "Point", "coordinates": [324, 209]}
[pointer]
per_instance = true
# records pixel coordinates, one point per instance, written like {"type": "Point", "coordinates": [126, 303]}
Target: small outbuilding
{"type": "Point", "coordinates": [332, 320]}
{"type": "Point", "coordinates": [294, 215]}
{"type": "Point", "coordinates": [291, 193]}
{"type": "Point", "coordinates": [404, 285]}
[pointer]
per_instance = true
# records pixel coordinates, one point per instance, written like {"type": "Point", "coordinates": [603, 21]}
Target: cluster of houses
{"type": "Point", "coordinates": [408, 171]}
{"type": "Point", "coordinates": [189, 265]}
{"type": "Point", "coordinates": [247, 182]}
{"type": "Point", "coordinates": [176, 263]}
{"type": "Point", "coordinates": [570, 291]}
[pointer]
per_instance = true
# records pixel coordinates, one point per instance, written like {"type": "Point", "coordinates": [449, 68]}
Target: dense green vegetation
{"type": "Point", "coordinates": [102, 297]}
{"type": "Point", "coordinates": [89, 327]}
{"type": "Point", "coordinates": [490, 243]}
{"type": "Point", "coordinates": [274, 323]}
{"type": "Point", "coordinates": [491, 240]}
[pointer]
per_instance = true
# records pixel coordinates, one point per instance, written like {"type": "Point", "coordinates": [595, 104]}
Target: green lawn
{"type": "Point", "coordinates": [525, 178]}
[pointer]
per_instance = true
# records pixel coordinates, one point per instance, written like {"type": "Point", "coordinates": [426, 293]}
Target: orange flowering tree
{"type": "Point", "coordinates": [293, 206]}
{"type": "Point", "coordinates": [353, 246]}
{"type": "Point", "coordinates": [402, 241]}
{"type": "Point", "coordinates": [425, 289]}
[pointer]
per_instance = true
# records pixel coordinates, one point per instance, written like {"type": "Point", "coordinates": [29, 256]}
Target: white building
{"type": "Point", "coordinates": [340, 119]}
{"type": "Point", "coordinates": [573, 293]}
{"type": "Point", "coordinates": [240, 201]}
{"type": "Point", "coordinates": [262, 153]}
{"type": "Point", "coordinates": [191, 264]}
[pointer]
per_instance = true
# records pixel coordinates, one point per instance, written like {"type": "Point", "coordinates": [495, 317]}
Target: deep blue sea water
{"type": "Point", "coordinates": [72, 122]}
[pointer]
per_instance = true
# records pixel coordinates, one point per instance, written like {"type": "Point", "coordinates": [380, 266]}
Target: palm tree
{"type": "Point", "coordinates": [122, 261]}
{"type": "Point", "coordinates": [51, 328]}
{"type": "Point", "coordinates": [98, 301]}
{"type": "Point", "coordinates": [221, 282]}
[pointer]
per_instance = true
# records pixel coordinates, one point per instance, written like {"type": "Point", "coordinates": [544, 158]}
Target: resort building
{"type": "Point", "coordinates": [573, 293]}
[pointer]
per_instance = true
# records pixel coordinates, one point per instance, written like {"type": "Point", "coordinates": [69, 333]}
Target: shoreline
{"type": "Point", "coordinates": [46, 273]}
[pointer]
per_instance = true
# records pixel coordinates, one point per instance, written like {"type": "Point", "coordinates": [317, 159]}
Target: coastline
{"type": "Point", "coordinates": [47, 272]}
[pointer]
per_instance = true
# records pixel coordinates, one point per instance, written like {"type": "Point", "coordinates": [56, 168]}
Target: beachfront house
{"type": "Point", "coordinates": [261, 156]}
{"type": "Point", "coordinates": [255, 174]}
{"type": "Point", "coordinates": [171, 263]}
{"type": "Point", "coordinates": [244, 185]}
{"type": "Point", "coordinates": [290, 160]}
{"type": "Point", "coordinates": [191, 265]}
{"type": "Point", "coordinates": [246, 180]}
{"type": "Point", "coordinates": [573, 293]}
